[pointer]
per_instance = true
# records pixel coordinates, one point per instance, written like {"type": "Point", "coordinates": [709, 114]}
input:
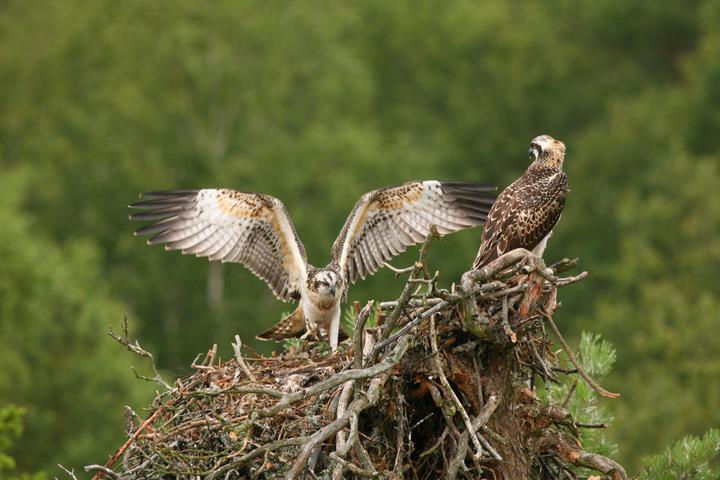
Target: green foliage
{"type": "Point", "coordinates": [655, 291]}
{"type": "Point", "coordinates": [347, 320]}
{"type": "Point", "coordinates": [59, 365]}
{"type": "Point", "coordinates": [687, 459]}
{"type": "Point", "coordinates": [292, 344]}
{"type": "Point", "coordinates": [597, 357]}
{"type": "Point", "coordinates": [10, 428]}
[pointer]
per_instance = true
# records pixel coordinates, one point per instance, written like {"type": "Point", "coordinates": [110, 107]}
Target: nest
{"type": "Point", "coordinates": [441, 386]}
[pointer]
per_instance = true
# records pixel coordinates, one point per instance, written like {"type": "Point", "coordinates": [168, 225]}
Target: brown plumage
{"type": "Point", "coordinates": [526, 212]}
{"type": "Point", "coordinates": [289, 327]}
{"type": "Point", "coordinates": [255, 230]}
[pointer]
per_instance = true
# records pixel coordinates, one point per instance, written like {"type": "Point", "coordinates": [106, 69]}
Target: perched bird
{"type": "Point", "coordinates": [255, 230]}
{"type": "Point", "coordinates": [526, 212]}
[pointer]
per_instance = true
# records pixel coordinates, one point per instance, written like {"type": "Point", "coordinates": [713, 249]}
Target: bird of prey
{"type": "Point", "coordinates": [526, 212]}
{"type": "Point", "coordinates": [255, 230]}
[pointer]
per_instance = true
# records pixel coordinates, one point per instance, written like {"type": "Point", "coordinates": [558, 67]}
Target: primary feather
{"type": "Point", "coordinates": [255, 230]}
{"type": "Point", "coordinates": [252, 229]}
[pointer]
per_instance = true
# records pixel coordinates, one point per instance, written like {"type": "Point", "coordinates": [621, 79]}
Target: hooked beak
{"type": "Point", "coordinates": [332, 291]}
{"type": "Point", "coordinates": [533, 153]}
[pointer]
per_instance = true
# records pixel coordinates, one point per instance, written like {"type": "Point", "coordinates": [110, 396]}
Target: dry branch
{"type": "Point", "coordinates": [446, 392]}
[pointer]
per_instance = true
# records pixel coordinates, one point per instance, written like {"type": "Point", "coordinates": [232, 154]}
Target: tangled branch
{"type": "Point", "coordinates": [444, 388]}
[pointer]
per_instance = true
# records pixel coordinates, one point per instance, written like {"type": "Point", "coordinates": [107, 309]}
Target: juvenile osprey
{"type": "Point", "coordinates": [255, 230]}
{"type": "Point", "coordinates": [526, 212]}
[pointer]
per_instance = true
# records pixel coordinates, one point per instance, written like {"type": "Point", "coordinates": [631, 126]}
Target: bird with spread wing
{"type": "Point", "coordinates": [255, 230]}
{"type": "Point", "coordinates": [526, 212]}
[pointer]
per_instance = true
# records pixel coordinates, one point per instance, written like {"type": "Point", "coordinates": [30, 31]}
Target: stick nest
{"type": "Point", "coordinates": [441, 386]}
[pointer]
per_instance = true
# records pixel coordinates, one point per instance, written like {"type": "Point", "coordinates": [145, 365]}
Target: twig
{"type": "Point", "coordinates": [413, 303]}
{"type": "Point", "coordinates": [437, 443]}
{"type": "Point", "coordinates": [490, 405]}
{"type": "Point", "coordinates": [71, 473]}
{"type": "Point", "coordinates": [547, 375]}
{"type": "Point", "coordinates": [569, 395]}
{"type": "Point", "coordinates": [564, 265]}
{"type": "Point", "coordinates": [262, 450]}
{"type": "Point", "coordinates": [461, 450]}
{"type": "Point", "coordinates": [358, 335]}
{"type": "Point", "coordinates": [130, 440]}
{"type": "Point", "coordinates": [338, 379]}
{"type": "Point", "coordinates": [440, 403]}
{"type": "Point", "coordinates": [567, 371]}
{"type": "Point", "coordinates": [102, 470]}
{"type": "Point", "coordinates": [365, 458]}
{"type": "Point", "coordinates": [590, 425]}
{"type": "Point", "coordinates": [459, 457]}
{"type": "Point", "coordinates": [399, 437]}
{"type": "Point", "coordinates": [407, 290]}
{"type": "Point", "coordinates": [561, 282]}
{"type": "Point", "coordinates": [134, 347]}
{"type": "Point", "coordinates": [326, 432]}
{"type": "Point", "coordinates": [237, 346]}
{"type": "Point", "coordinates": [398, 271]}
{"type": "Point", "coordinates": [506, 323]}
{"type": "Point", "coordinates": [493, 268]}
{"type": "Point", "coordinates": [354, 469]}
{"type": "Point", "coordinates": [478, 381]}
{"type": "Point", "coordinates": [418, 318]}
{"type": "Point", "coordinates": [482, 419]}
{"type": "Point", "coordinates": [449, 391]}
{"type": "Point", "coordinates": [575, 363]}
{"type": "Point", "coordinates": [599, 463]}
{"type": "Point", "coordinates": [342, 445]}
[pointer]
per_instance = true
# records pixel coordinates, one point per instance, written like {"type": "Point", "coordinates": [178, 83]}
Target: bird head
{"type": "Point", "coordinates": [327, 283]}
{"type": "Point", "coordinates": [544, 149]}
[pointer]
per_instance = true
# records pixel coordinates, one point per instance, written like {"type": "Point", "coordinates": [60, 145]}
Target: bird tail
{"type": "Point", "coordinates": [291, 326]}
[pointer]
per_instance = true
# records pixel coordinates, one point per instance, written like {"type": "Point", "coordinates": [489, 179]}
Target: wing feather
{"type": "Point", "coordinates": [385, 222]}
{"type": "Point", "coordinates": [252, 229]}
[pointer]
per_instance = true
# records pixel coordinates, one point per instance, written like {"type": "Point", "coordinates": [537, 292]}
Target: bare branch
{"type": "Point", "coordinates": [237, 348]}
{"type": "Point", "coordinates": [449, 391]}
{"type": "Point", "coordinates": [600, 463]}
{"type": "Point", "coordinates": [575, 363]}
{"type": "Point", "coordinates": [134, 347]}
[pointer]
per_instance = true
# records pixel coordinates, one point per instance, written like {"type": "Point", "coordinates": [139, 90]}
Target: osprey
{"type": "Point", "coordinates": [526, 212]}
{"type": "Point", "coordinates": [255, 230]}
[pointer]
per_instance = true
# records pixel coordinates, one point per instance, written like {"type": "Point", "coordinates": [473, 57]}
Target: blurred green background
{"type": "Point", "coordinates": [317, 103]}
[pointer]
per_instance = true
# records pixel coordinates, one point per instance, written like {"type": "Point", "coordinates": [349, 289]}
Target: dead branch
{"type": "Point", "coordinates": [450, 393]}
{"type": "Point", "coordinates": [134, 347]}
{"type": "Point", "coordinates": [571, 356]}
{"type": "Point", "coordinates": [600, 463]}
{"type": "Point", "coordinates": [446, 392]}
{"type": "Point", "coordinates": [237, 348]}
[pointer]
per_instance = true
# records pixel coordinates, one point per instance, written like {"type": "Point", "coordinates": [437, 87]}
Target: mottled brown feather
{"type": "Point", "coordinates": [291, 326]}
{"type": "Point", "coordinates": [527, 210]}
{"type": "Point", "coordinates": [383, 223]}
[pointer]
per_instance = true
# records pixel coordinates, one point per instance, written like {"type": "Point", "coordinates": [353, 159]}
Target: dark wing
{"type": "Point", "coordinates": [221, 224]}
{"type": "Point", "coordinates": [524, 214]}
{"type": "Point", "coordinates": [385, 222]}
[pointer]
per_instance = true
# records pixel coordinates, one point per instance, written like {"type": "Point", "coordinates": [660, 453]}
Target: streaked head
{"type": "Point", "coordinates": [546, 149]}
{"type": "Point", "coordinates": [326, 283]}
